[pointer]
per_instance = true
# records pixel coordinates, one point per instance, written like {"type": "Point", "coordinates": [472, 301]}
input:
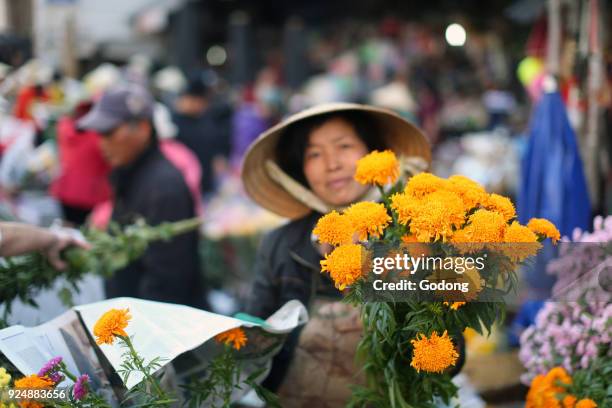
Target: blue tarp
{"type": "Point", "coordinates": [553, 185]}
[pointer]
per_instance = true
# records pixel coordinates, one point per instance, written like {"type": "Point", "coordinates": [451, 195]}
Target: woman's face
{"type": "Point", "coordinates": [330, 161]}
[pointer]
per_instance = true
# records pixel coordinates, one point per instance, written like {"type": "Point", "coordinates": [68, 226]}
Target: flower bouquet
{"type": "Point", "coordinates": [418, 239]}
{"type": "Point", "coordinates": [21, 277]}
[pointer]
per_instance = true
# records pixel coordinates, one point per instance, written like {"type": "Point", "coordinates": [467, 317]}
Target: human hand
{"type": "Point", "coordinates": [63, 238]}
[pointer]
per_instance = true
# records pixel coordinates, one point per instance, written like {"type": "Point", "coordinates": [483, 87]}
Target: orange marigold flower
{"type": "Point", "coordinates": [368, 218]}
{"type": "Point", "coordinates": [111, 324]}
{"type": "Point", "coordinates": [35, 382]}
{"type": "Point", "coordinates": [423, 184]}
{"type": "Point", "coordinates": [520, 242]}
{"type": "Point", "coordinates": [569, 401]}
{"type": "Point", "coordinates": [344, 265]}
{"type": "Point", "coordinates": [502, 205]}
{"type": "Point", "coordinates": [404, 206]}
{"type": "Point", "coordinates": [235, 337]}
{"type": "Point", "coordinates": [586, 403]}
{"type": "Point", "coordinates": [436, 216]}
{"type": "Point", "coordinates": [334, 228]}
{"type": "Point", "coordinates": [541, 395]}
{"type": "Point", "coordinates": [414, 247]}
{"type": "Point", "coordinates": [465, 242]}
{"type": "Point", "coordinates": [378, 168]}
{"type": "Point", "coordinates": [434, 354]}
{"type": "Point", "coordinates": [557, 377]}
{"type": "Point", "coordinates": [454, 305]}
{"type": "Point", "coordinates": [544, 228]}
{"type": "Point", "coordinates": [472, 194]}
{"type": "Point", "coordinates": [409, 239]}
{"type": "Point", "coordinates": [487, 226]}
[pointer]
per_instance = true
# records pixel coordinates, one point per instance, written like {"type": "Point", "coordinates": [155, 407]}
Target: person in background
{"type": "Point", "coordinates": [180, 156]}
{"type": "Point", "coordinates": [146, 185]}
{"type": "Point", "coordinates": [83, 180]}
{"type": "Point", "coordinates": [204, 128]}
{"type": "Point", "coordinates": [21, 239]}
{"type": "Point", "coordinates": [27, 97]}
{"type": "Point", "coordinates": [249, 120]}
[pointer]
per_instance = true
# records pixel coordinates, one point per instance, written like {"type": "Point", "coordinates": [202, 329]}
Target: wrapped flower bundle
{"type": "Point", "coordinates": [23, 276]}
{"type": "Point", "coordinates": [410, 337]}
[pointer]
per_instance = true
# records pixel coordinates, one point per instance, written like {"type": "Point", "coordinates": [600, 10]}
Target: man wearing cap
{"type": "Point", "coordinates": [145, 184]}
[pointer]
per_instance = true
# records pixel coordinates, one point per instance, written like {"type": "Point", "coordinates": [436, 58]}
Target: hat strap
{"type": "Point", "coordinates": [410, 164]}
{"type": "Point", "coordinates": [297, 190]}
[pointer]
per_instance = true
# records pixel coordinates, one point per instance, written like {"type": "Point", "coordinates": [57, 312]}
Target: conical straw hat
{"type": "Point", "coordinates": [401, 136]}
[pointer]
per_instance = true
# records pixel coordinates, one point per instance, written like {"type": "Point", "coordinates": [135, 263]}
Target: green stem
{"type": "Point", "coordinates": [180, 227]}
{"type": "Point", "coordinates": [67, 373]}
{"type": "Point", "coordinates": [138, 362]}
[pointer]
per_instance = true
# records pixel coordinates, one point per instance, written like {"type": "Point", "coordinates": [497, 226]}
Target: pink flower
{"type": "Point", "coordinates": [80, 387]}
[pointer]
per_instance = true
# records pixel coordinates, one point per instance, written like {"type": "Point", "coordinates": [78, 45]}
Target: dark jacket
{"type": "Point", "coordinates": [207, 136]}
{"type": "Point", "coordinates": [287, 267]}
{"type": "Point", "coordinates": [152, 188]}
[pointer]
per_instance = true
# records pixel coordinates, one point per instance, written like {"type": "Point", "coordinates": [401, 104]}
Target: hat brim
{"type": "Point", "coordinates": [400, 136]}
{"type": "Point", "coordinates": [98, 121]}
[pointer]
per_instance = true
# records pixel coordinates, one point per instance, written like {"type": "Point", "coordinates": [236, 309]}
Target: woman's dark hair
{"type": "Point", "coordinates": [292, 144]}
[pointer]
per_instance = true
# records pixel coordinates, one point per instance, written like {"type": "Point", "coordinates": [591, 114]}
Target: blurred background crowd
{"type": "Point", "coordinates": [469, 73]}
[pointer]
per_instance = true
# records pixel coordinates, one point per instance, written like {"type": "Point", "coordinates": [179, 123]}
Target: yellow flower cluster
{"type": "Point", "coordinates": [5, 378]}
{"type": "Point", "coordinates": [110, 325]}
{"type": "Point", "coordinates": [501, 205]}
{"type": "Point", "coordinates": [459, 210]}
{"type": "Point", "coordinates": [425, 183]}
{"type": "Point", "coordinates": [472, 194]}
{"type": "Point", "coordinates": [545, 228]}
{"type": "Point", "coordinates": [379, 168]}
{"type": "Point", "coordinates": [334, 228]}
{"type": "Point", "coordinates": [363, 218]}
{"type": "Point", "coordinates": [521, 242]}
{"type": "Point", "coordinates": [546, 388]}
{"type": "Point", "coordinates": [368, 218]}
{"type": "Point", "coordinates": [435, 216]}
{"type": "Point", "coordinates": [5, 381]}
{"type": "Point", "coordinates": [456, 210]}
{"type": "Point", "coordinates": [344, 264]}
{"type": "Point", "coordinates": [235, 337]}
{"type": "Point", "coordinates": [433, 354]}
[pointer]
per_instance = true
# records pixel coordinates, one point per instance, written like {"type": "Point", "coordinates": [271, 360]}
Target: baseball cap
{"type": "Point", "coordinates": [118, 105]}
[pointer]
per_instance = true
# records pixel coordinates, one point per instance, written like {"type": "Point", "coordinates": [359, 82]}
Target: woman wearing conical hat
{"type": "Point", "coordinates": [300, 169]}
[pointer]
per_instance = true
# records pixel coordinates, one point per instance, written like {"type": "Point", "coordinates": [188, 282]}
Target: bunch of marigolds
{"type": "Point", "coordinates": [412, 342]}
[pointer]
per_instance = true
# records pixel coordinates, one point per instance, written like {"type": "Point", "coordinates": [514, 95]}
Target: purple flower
{"type": "Point", "coordinates": [56, 377]}
{"type": "Point", "coordinates": [50, 367]}
{"type": "Point", "coordinates": [80, 387]}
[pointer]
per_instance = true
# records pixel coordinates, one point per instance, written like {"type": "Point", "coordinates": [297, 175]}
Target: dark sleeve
{"type": "Point", "coordinates": [170, 268]}
{"type": "Point", "coordinates": [263, 298]}
{"type": "Point", "coordinates": [278, 279]}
